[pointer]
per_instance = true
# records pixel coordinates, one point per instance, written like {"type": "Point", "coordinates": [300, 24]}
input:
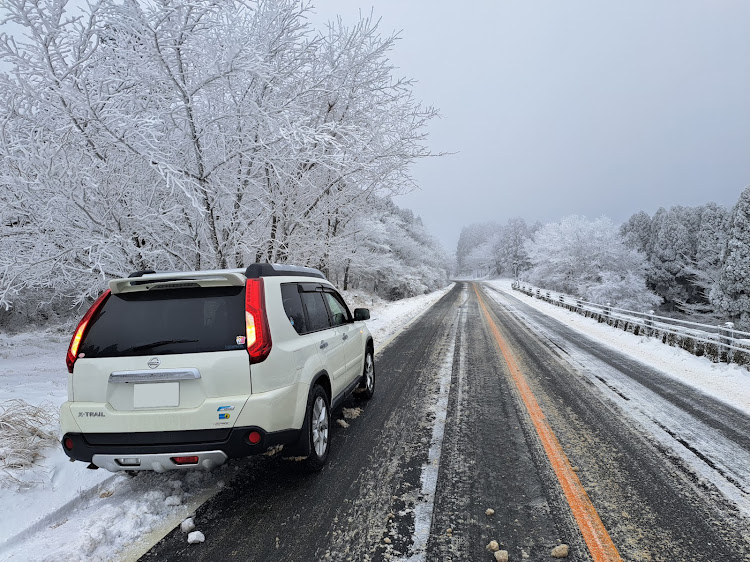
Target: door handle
{"type": "Point", "coordinates": [323, 344]}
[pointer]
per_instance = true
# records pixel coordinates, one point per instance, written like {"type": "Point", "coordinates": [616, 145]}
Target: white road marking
{"type": "Point", "coordinates": [423, 511]}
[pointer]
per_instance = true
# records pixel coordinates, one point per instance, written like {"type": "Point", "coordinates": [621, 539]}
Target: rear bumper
{"type": "Point", "coordinates": [161, 462]}
{"type": "Point", "coordinates": [233, 443]}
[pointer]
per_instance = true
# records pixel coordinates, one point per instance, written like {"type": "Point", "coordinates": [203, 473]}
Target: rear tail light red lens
{"type": "Point", "coordinates": [256, 323]}
{"type": "Point", "coordinates": [185, 460]}
{"type": "Point", "coordinates": [68, 443]}
{"type": "Point", "coordinates": [254, 437]}
{"type": "Point", "coordinates": [83, 326]}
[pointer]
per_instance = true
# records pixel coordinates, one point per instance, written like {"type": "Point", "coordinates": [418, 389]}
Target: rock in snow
{"type": "Point", "coordinates": [173, 500]}
{"type": "Point", "coordinates": [502, 556]}
{"type": "Point", "coordinates": [351, 413]}
{"type": "Point", "coordinates": [560, 551]}
{"type": "Point", "coordinates": [195, 537]}
{"type": "Point", "coordinates": [493, 546]}
{"type": "Point", "coordinates": [489, 512]}
{"type": "Point", "coordinates": [187, 525]}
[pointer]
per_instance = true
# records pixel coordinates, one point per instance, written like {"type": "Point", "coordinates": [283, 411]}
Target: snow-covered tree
{"type": "Point", "coordinates": [509, 246]}
{"type": "Point", "coordinates": [731, 293]}
{"type": "Point", "coordinates": [495, 247]}
{"type": "Point", "coordinates": [674, 248]}
{"type": "Point", "coordinates": [192, 135]}
{"type": "Point", "coordinates": [395, 256]}
{"type": "Point", "coordinates": [590, 259]}
{"type": "Point", "coordinates": [709, 256]}
{"type": "Point", "coordinates": [471, 238]}
{"type": "Point", "coordinates": [638, 233]}
{"type": "Point", "coordinates": [684, 250]}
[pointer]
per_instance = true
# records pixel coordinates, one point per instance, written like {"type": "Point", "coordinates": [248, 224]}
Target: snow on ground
{"type": "Point", "coordinates": [389, 318]}
{"type": "Point", "coordinates": [61, 510]}
{"type": "Point", "coordinates": [729, 383]}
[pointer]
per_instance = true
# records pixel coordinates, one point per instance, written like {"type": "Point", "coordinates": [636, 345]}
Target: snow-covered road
{"type": "Point", "coordinates": [448, 458]}
{"type": "Point", "coordinates": [662, 460]}
{"type": "Point", "coordinates": [669, 399]}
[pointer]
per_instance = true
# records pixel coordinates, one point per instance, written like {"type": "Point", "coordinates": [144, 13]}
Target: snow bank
{"type": "Point", "coordinates": [729, 383]}
{"type": "Point", "coordinates": [387, 319]}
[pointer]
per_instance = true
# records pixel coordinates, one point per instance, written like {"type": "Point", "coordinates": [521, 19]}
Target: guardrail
{"type": "Point", "coordinates": [720, 343]}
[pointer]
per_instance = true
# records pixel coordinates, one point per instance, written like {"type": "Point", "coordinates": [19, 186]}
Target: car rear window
{"type": "Point", "coordinates": [167, 321]}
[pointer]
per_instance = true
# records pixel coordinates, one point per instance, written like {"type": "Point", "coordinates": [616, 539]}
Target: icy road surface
{"type": "Point", "coordinates": [653, 469]}
{"type": "Point", "coordinates": [449, 435]}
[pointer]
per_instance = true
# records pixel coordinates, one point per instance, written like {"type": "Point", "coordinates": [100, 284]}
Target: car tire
{"type": "Point", "coordinates": [319, 427]}
{"type": "Point", "coordinates": [367, 383]}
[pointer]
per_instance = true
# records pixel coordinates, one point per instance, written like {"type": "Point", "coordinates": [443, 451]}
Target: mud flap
{"type": "Point", "coordinates": [301, 447]}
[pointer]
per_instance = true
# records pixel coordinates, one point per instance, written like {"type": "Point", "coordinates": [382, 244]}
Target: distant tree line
{"type": "Point", "coordinates": [178, 135]}
{"type": "Point", "coordinates": [684, 260]}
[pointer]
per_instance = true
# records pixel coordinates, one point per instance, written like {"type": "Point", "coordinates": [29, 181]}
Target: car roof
{"type": "Point", "coordinates": [150, 279]}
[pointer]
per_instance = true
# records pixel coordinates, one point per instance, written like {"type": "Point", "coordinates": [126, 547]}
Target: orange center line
{"type": "Point", "coordinates": [594, 533]}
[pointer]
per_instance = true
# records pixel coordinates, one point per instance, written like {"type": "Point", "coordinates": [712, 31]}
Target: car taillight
{"type": "Point", "coordinates": [185, 460]}
{"type": "Point", "coordinates": [256, 323]}
{"type": "Point", "coordinates": [80, 332]}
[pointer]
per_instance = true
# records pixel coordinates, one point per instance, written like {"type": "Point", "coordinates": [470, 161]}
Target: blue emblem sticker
{"type": "Point", "coordinates": [223, 416]}
{"type": "Point", "coordinates": [224, 408]}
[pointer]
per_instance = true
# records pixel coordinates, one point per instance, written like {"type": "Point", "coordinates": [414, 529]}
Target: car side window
{"type": "Point", "coordinates": [317, 313]}
{"type": "Point", "coordinates": [339, 311]}
{"type": "Point", "coordinates": [290, 296]}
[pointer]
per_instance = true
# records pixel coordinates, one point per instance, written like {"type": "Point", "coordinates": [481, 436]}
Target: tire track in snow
{"type": "Point", "coordinates": [705, 448]}
{"type": "Point", "coordinates": [655, 507]}
{"type": "Point", "coordinates": [490, 460]}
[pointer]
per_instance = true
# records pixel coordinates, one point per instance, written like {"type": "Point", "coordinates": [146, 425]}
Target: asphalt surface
{"type": "Point", "coordinates": [276, 511]}
{"type": "Point", "coordinates": [653, 504]}
{"type": "Point", "coordinates": [372, 499]}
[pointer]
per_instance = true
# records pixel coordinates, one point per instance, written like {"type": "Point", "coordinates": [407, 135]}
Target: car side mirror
{"type": "Point", "coordinates": [361, 314]}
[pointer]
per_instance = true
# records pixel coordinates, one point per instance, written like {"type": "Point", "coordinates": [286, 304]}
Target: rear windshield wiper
{"type": "Point", "coordinates": [155, 344]}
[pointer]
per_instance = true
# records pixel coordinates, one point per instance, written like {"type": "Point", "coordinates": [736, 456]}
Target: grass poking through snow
{"type": "Point", "coordinates": [25, 430]}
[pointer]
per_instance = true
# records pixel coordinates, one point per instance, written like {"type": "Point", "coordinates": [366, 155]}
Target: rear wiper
{"type": "Point", "coordinates": [155, 344]}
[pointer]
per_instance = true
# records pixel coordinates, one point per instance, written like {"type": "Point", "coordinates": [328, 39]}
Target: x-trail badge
{"type": "Point", "coordinates": [153, 362]}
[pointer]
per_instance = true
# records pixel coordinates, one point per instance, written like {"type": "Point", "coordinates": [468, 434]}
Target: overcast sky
{"type": "Point", "coordinates": [586, 107]}
{"type": "Point", "coordinates": [571, 106]}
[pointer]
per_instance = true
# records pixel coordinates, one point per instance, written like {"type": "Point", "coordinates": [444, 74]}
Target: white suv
{"type": "Point", "coordinates": [180, 370]}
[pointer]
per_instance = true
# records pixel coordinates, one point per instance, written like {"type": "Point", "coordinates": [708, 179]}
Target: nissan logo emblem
{"type": "Point", "coordinates": [154, 363]}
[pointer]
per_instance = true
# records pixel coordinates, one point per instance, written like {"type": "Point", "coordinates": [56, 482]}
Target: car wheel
{"type": "Point", "coordinates": [367, 384]}
{"type": "Point", "coordinates": [319, 421]}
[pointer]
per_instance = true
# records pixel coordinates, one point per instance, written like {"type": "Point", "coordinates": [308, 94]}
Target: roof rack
{"type": "Point", "coordinates": [256, 270]}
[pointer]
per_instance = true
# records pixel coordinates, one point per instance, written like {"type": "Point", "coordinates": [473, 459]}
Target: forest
{"type": "Point", "coordinates": [682, 261]}
{"type": "Point", "coordinates": [178, 136]}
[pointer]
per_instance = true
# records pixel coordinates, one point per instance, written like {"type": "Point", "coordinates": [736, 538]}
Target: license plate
{"type": "Point", "coordinates": [156, 395]}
